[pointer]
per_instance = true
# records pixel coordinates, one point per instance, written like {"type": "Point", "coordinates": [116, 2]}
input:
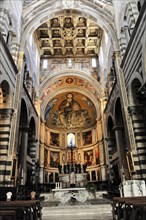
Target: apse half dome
{"type": "Point", "coordinates": [70, 110]}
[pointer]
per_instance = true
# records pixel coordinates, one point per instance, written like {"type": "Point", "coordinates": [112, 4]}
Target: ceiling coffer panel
{"type": "Point", "coordinates": [69, 36]}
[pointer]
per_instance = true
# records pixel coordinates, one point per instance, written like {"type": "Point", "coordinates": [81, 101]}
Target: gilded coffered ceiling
{"type": "Point", "coordinates": [69, 35]}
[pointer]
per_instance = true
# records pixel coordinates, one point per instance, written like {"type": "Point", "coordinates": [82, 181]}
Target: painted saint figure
{"type": "Point", "coordinates": [70, 112]}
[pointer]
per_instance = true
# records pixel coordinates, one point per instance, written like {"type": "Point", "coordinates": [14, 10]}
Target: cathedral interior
{"type": "Point", "coordinates": [72, 92]}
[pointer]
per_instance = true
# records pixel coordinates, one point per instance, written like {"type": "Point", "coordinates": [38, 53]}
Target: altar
{"type": "Point", "coordinates": [73, 180]}
{"type": "Point", "coordinates": [67, 195]}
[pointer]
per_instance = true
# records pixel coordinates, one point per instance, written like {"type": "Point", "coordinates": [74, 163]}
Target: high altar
{"type": "Point", "coordinates": [71, 188]}
{"type": "Point", "coordinates": [73, 179]}
{"type": "Point", "coordinates": [71, 185]}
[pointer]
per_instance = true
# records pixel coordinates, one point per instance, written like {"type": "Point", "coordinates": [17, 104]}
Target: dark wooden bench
{"type": "Point", "coordinates": [125, 207]}
{"type": "Point", "coordinates": [135, 210]}
{"type": "Point", "coordinates": [25, 209]}
{"type": "Point", "coordinates": [7, 215]}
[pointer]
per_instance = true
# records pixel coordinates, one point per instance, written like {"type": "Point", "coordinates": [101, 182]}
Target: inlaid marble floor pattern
{"type": "Point", "coordinates": [78, 212]}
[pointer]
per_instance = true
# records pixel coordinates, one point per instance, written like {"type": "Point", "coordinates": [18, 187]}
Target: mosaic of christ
{"type": "Point", "coordinates": [72, 111]}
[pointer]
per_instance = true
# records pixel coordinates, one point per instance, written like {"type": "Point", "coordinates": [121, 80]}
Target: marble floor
{"type": "Point", "coordinates": [81, 212]}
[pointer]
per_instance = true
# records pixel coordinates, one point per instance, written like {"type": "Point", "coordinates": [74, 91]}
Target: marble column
{"type": "Point", "coordinates": [41, 175]}
{"type": "Point", "coordinates": [111, 146]}
{"type": "Point", "coordinates": [124, 174]}
{"type": "Point", "coordinates": [23, 156]}
{"type": "Point", "coordinates": [17, 105]}
{"type": "Point", "coordinates": [48, 137]}
{"type": "Point", "coordinates": [101, 153]}
{"type": "Point", "coordinates": [124, 100]}
{"type": "Point", "coordinates": [28, 83]}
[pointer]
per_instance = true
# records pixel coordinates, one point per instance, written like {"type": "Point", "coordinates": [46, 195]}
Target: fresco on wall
{"type": "Point", "coordinates": [54, 139]}
{"type": "Point", "coordinates": [97, 156]}
{"type": "Point", "coordinates": [89, 158]}
{"type": "Point", "coordinates": [87, 137]}
{"type": "Point", "coordinates": [54, 159]}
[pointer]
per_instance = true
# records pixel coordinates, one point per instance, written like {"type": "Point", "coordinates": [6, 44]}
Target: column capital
{"type": "Point", "coordinates": [117, 127]}
{"type": "Point", "coordinates": [117, 54]}
{"type": "Point", "coordinates": [108, 139]}
{"type": "Point", "coordinates": [24, 128]}
{"type": "Point", "coordinates": [6, 113]}
{"type": "Point", "coordinates": [34, 141]}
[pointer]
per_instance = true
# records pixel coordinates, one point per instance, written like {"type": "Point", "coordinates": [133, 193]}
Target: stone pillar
{"type": "Point", "coordinates": [28, 82]}
{"type": "Point", "coordinates": [48, 137]}
{"type": "Point", "coordinates": [15, 51]}
{"type": "Point", "coordinates": [23, 156]}
{"type": "Point", "coordinates": [17, 106]}
{"type": "Point", "coordinates": [49, 157]}
{"type": "Point", "coordinates": [90, 176]}
{"type": "Point", "coordinates": [42, 137]}
{"type": "Point", "coordinates": [42, 163]}
{"type": "Point", "coordinates": [96, 173]}
{"type": "Point", "coordinates": [111, 145]}
{"type": "Point", "coordinates": [124, 174]}
{"type": "Point", "coordinates": [101, 153]}
{"type": "Point", "coordinates": [124, 101]}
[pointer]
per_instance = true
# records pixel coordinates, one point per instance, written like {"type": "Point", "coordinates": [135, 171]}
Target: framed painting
{"type": "Point", "coordinates": [54, 139]}
{"type": "Point", "coordinates": [87, 137]}
{"type": "Point", "coordinates": [54, 159]}
{"type": "Point", "coordinates": [89, 158]}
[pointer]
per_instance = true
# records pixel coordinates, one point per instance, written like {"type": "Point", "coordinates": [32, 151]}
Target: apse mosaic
{"type": "Point", "coordinates": [70, 110]}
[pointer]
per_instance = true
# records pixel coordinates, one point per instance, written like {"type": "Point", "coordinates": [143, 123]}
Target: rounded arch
{"type": "Point", "coordinates": [93, 96]}
{"type": "Point", "coordinates": [118, 113]}
{"type": "Point", "coordinates": [5, 95]}
{"type": "Point", "coordinates": [40, 15]}
{"type": "Point", "coordinates": [133, 92]}
{"type": "Point", "coordinates": [32, 126]}
{"type": "Point", "coordinates": [23, 114]}
{"type": "Point", "coordinates": [135, 75]}
{"type": "Point", "coordinates": [121, 140]}
{"type": "Point", "coordinates": [111, 138]}
{"type": "Point", "coordinates": [31, 137]}
{"type": "Point", "coordinates": [71, 73]}
{"type": "Point", "coordinates": [110, 125]}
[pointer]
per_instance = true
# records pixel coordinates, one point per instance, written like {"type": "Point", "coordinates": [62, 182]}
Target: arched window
{"type": "Point", "coordinates": [71, 140]}
{"type": "Point", "coordinates": [94, 62]}
{"type": "Point", "coordinates": [45, 64]}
